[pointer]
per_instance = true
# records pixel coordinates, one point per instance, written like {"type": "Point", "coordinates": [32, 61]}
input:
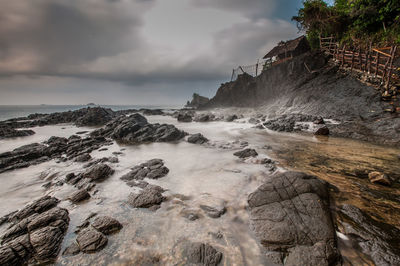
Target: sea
{"type": "Point", "coordinates": [13, 111]}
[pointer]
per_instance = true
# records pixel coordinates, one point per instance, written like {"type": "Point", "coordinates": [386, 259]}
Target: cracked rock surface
{"type": "Point", "coordinates": [290, 215]}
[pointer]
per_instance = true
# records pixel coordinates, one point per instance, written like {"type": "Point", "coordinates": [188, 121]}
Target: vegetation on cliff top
{"type": "Point", "coordinates": [354, 22]}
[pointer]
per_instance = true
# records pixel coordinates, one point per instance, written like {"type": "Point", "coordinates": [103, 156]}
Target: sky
{"type": "Point", "coordinates": [132, 52]}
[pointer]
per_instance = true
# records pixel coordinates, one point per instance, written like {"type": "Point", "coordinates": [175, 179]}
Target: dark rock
{"type": "Point", "coordinates": [319, 121]}
{"type": "Point", "coordinates": [72, 249]}
{"type": "Point", "coordinates": [148, 197]}
{"type": "Point", "coordinates": [38, 206]}
{"type": "Point", "coordinates": [197, 139]}
{"type": "Point", "coordinates": [98, 172]}
{"type": "Point", "coordinates": [46, 242]}
{"type": "Point", "coordinates": [81, 132]}
{"type": "Point", "coordinates": [289, 213]}
{"type": "Point", "coordinates": [153, 112]}
{"type": "Point", "coordinates": [136, 130]}
{"type": "Point", "coordinates": [213, 212]}
{"type": "Point", "coordinates": [184, 118]}
{"type": "Point", "coordinates": [69, 177]}
{"type": "Point", "coordinates": [379, 178]}
{"type": "Point", "coordinates": [197, 101]}
{"type": "Point", "coordinates": [231, 118]}
{"type": "Point", "coordinates": [113, 160]}
{"type": "Point", "coordinates": [83, 158]}
{"type": "Point", "coordinates": [9, 132]}
{"type": "Point", "coordinates": [246, 153]}
{"type": "Point", "coordinates": [106, 225]}
{"type": "Point", "coordinates": [201, 254]}
{"type": "Point", "coordinates": [152, 169]}
{"type": "Point", "coordinates": [378, 240]}
{"type": "Point", "coordinates": [322, 131]}
{"type": "Point", "coordinates": [79, 196]}
{"type": "Point", "coordinates": [90, 240]}
{"type": "Point", "coordinates": [204, 117]}
{"type": "Point", "coordinates": [95, 116]}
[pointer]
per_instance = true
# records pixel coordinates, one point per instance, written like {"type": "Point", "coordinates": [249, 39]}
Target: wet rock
{"type": "Point", "coordinates": [379, 178]}
{"type": "Point", "coordinates": [46, 242]}
{"type": "Point", "coordinates": [148, 197]}
{"type": "Point", "coordinates": [98, 172]}
{"type": "Point", "coordinates": [69, 177]}
{"type": "Point", "coordinates": [106, 225]}
{"type": "Point", "coordinates": [231, 118]}
{"type": "Point", "coordinates": [95, 116]}
{"type": "Point", "coordinates": [184, 117]}
{"type": "Point", "coordinates": [213, 212]}
{"type": "Point", "coordinates": [376, 239]}
{"type": "Point", "coordinates": [9, 132]}
{"type": "Point", "coordinates": [319, 121]}
{"type": "Point", "coordinates": [90, 240]}
{"type": "Point", "coordinates": [153, 169]}
{"type": "Point", "coordinates": [72, 249]}
{"type": "Point", "coordinates": [200, 253]}
{"type": "Point", "coordinates": [113, 160]}
{"type": "Point", "coordinates": [246, 153]}
{"type": "Point", "coordinates": [83, 158]}
{"type": "Point", "coordinates": [204, 118]}
{"type": "Point", "coordinates": [152, 112]}
{"type": "Point", "coordinates": [197, 139]}
{"type": "Point", "coordinates": [322, 131]}
{"type": "Point", "coordinates": [38, 206]}
{"type": "Point", "coordinates": [54, 217]}
{"type": "Point", "coordinates": [135, 130]}
{"type": "Point", "coordinates": [287, 123]}
{"type": "Point", "coordinates": [289, 214]}
{"type": "Point", "coordinates": [79, 196]}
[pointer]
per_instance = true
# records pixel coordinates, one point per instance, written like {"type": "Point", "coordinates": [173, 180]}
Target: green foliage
{"type": "Point", "coordinates": [352, 21]}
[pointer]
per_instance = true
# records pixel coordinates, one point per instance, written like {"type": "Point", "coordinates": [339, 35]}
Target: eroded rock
{"type": "Point", "coordinates": [106, 224]}
{"type": "Point", "coordinates": [148, 197]}
{"type": "Point", "coordinates": [197, 139]}
{"type": "Point", "coordinates": [246, 153]}
{"type": "Point", "coordinates": [89, 240]}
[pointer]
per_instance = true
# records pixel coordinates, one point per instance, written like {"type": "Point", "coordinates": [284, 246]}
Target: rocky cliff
{"type": "Point", "coordinates": [310, 84]}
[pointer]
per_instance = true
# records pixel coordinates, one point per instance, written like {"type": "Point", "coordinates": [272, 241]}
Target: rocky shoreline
{"type": "Point", "coordinates": [289, 213]}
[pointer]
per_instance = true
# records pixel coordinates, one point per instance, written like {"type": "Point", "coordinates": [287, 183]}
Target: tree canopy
{"type": "Point", "coordinates": [351, 21]}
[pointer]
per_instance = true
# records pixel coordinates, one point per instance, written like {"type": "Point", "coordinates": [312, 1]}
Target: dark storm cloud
{"type": "Point", "coordinates": [108, 41]}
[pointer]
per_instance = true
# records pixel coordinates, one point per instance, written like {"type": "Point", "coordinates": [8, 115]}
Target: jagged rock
{"type": "Point", "coordinates": [289, 214]}
{"type": "Point", "coordinates": [153, 112]}
{"type": "Point", "coordinates": [98, 172]}
{"type": "Point", "coordinates": [378, 240]}
{"type": "Point", "coordinates": [148, 197]}
{"type": "Point", "coordinates": [135, 130]}
{"type": "Point", "coordinates": [54, 217]}
{"type": "Point", "coordinates": [324, 131]}
{"type": "Point", "coordinates": [379, 178]}
{"type": "Point", "coordinates": [95, 116]}
{"type": "Point", "coordinates": [83, 158]}
{"type": "Point", "coordinates": [246, 153]}
{"type": "Point", "coordinates": [46, 242]}
{"type": "Point", "coordinates": [72, 249]}
{"type": "Point", "coordinates": [184, 117]}
{"type": "Point", "coordinates": [204, 117]}
{"type": "Point", "coordinates": [231, 118]}
{"type": "Point", "coordinates": [38, 206]}
{"type": "Point", "coordinates": [214, 211]}
{"type": "Point", "coordinates": [197, 101]}
{"type": "Point", "coordinates": [152, 169]}
{"type": "Point", "coordinates": [197, 139]}
{"type": "Point", "coordinates": [90, 240]}
{"type": "Point", "coordinates": [79, 196]}
{"type": "Point", "coordinates": [319, 121]}
{"type": "Point", "coordinates": [200, 254]}
{"type": "Point", "coordinates": [9, 132]}
{"type": "Point", "coordinates": [106, 224]}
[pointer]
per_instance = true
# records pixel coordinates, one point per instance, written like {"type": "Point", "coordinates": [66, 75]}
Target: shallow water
{"type": "Point", "coordinates": [198, 175]}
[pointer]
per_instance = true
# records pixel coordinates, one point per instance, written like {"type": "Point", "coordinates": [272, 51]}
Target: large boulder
{"type": "Point", "coordinates": [197, 139]}
{"type": "Point", "coordinates": [246, 153]}
{"type": "Point", "coordinates": [185, 117]}
{"type": "Point", "coordinates": [148, 197]}
{"type": "Point", "coordinates": [153, 169]}
{"type": "Point", "coordinates": [106, 225]}
{"type": "Point", "coordinates": [98, 172]}
{"type": "Point", "coordinates": [290, 215]}
{"type": "Point", "coordinates": [9, 132]}
{"type": "Point", "coordinates": [90, 240]}
{"type": "Point", "coordinates": [95, 116]}
{"type": "Point", "coordinates": [196, 253]}
{"type": "Point", "coordinates": [136, 130]}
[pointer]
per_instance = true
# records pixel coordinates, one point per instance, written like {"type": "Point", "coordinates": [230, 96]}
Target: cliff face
{"type": "Point", "coordinates": [309, 84]}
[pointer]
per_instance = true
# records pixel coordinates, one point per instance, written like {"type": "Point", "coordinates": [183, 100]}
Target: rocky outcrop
{"type": "Point", "coordinates": [98, 172]}
{"type": "Point", "coordinates": [152, 112]}
{"type": "Point", "coordinates": [197, 139]}
{"type": "Point", "coordinates": [378, 240]}
{"type": "Point", "coordinates": [106, 225]}
{"type": "Point", "coordinates": [196, 253]}
{"type": "Point", "coordinates": [197, 101]}
{"type": "Point", "coordinates": [185, 117]}
{"type": "Point", "coordinates": [152, 169]}
{"type": "Point", "coordinates": [136, 130]}
{"type": "Point", "coordinates": [79, 196]}
{"type": "Point", "coordinates": [290, 215]}
{"type": "Point", "coordinates": [9, 132]}
{"type": "Point", "coordinates": [246, 153]}
{"type": "Point", "coordinates": [150, 196]}
{"type": "Point", "coordinates": [36, 233]}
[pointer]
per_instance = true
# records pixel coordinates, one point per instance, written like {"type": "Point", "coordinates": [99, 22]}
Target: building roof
{"type": "Point", "coordinates": [287, 46]}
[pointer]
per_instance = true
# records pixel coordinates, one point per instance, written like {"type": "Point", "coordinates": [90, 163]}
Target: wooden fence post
{"type": "Point", "coordinates": [343, 52]}
{"type": "Point", "coordinates": [258, 60]}
{"type": "Point", "coordinates": [386, 65]}
{"type": "Point", "coordinates": [352, 60]}
{"type": "Point", "coordinates": [360, 58]}
{"type": "Point", "coordinates": [233, 72]}
{"type": "Point", "coordinates": [377, 63]}
{"type": "Point", "coordinates": [390, 66]}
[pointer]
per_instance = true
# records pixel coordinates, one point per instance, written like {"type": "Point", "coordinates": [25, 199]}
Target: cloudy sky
{"type": "Point", "coordinates": [132, 51]}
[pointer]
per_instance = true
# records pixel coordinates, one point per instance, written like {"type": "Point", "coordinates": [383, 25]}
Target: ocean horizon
{"type": "Point", "coordinates": [14, 111]}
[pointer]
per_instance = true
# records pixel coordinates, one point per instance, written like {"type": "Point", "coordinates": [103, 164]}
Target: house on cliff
{"type": "Point", "coordinates": [287, 50]}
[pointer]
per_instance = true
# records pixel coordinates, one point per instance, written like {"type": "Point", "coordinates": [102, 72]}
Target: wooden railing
{"type": "Point", "coordinates": [375, 61]}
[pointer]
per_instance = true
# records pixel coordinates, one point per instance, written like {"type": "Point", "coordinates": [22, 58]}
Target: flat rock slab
{"type": "Point", "coordinates": [153, 169]}
{"type": "Point", "coordinates": [106, 224]}
{"type": "Point", "coordinates": [246, 153]}
{"type": "Point", "coordinates": [90, 240]}
{"type": "Point", "coordinates": [290, 214]}
{"type": "Point", "coordinates": [148, 197]}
